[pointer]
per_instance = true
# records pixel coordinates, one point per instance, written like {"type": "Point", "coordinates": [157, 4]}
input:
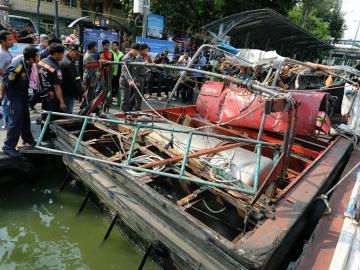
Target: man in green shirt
{"type": "Point", "coordinates": [118, 55]}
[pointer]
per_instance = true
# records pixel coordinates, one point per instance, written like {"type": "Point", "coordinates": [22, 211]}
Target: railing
{"type": "Point", "coordinates": [137, 127]}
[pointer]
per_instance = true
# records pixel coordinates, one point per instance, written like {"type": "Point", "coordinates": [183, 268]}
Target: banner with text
{"type": "Point", "coordinates": [155, 25]}
{"type": "Point", "coordinates": [157, 46]}
{"type": "Point", "coordinates": [98, 35]}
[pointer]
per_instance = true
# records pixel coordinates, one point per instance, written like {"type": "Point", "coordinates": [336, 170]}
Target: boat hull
{"type": "Point", "coordinates": [194, 245]}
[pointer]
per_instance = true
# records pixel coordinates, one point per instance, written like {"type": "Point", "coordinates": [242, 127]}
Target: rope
{"type": "Point", "coordinates": [325, 197]}
{"type": "Point", "coordinates": [214, 211]}
{"type": "Point", "coordinates": [144, 99]}
{"type": "Point", "coordinates": [141, 160]}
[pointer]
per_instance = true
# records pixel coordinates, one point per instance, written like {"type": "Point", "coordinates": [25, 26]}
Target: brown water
{"type": "Point", "coordinates": [39, 229]}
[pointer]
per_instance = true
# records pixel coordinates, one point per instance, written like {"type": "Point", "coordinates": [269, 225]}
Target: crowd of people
{"type": "Point", "coordinates": [48, 73]}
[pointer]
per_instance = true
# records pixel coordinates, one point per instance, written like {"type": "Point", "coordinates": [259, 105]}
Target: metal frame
{"type": "Point", "coordinates": [138, 126]}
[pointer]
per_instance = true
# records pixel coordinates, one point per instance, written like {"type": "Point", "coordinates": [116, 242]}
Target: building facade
{"type": "Point", "coordinates": [68, 11]}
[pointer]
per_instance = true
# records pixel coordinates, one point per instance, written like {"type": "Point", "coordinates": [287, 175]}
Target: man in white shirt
{"type": "Point", "coordinates": [185, 58]}
{"type": "Point", "coordinates": [6, 41]}
{"type": "Point", "coordinates": [186, 87]}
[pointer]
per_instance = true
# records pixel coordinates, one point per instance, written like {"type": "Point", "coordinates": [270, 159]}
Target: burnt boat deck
{"type": "Point", "coordinates": [203, 226]}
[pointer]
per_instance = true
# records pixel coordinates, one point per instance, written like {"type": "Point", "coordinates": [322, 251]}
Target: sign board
{"type": "Point", "coordinates": [138, 6]}
{"type": "Point", "coordinates": [157, 46]}
{"type": "Point", "coordinates": [98, 35]}
{"type": "Point", "coordinates": [155, 25]}
{"type": "Point", "coordinates": [102, 22]}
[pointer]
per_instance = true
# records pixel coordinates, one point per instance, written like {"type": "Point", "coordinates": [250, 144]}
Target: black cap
{"type": "Point", "coordinates": [76, 48]}
{"type": "Point", "coordinates": [136, 46]}
{"type": "Point", "coordinates": [143, 46]}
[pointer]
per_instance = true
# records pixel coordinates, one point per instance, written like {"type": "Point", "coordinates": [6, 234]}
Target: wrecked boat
{"type": "Point", "coordinates": [228, 183]}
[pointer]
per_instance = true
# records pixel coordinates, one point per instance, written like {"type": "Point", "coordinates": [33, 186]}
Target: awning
{"type": "Point", "coordinates": [266, 30]}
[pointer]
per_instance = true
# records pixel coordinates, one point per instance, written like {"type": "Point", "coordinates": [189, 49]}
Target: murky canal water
{"type": "Point", "coordinates": [39, 229]}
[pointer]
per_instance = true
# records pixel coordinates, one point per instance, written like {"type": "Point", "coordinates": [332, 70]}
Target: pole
{"type": "Point", "coordinates": [146, 9]}
{"type": "Point", "coordinates": [357, 30]}
{"type": "Point", "coordinates": [57, 30]}
{"type": "Point", "coordinates": [38, 14]}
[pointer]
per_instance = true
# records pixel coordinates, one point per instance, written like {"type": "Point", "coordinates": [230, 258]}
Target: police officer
{"type": "Point", "coordinates": [127, 82]}
{"type": "Point", "coordinates": [71, 83]}
{"type": "Point", "coordinates": [141, 72]}
{"type": "Point", "coordinates": [16, 81]}
{"type": "Point", "coordinates": [50, 77]}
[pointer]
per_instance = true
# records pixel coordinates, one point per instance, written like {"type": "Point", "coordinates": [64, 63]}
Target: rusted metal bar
{"type": "Point", "coordinates": [315, 66]}
{"type": "Point", "coordinates": [251, 85]}
{"type": "Point", "coordinates": [270, 179]}
{"type": "Point", "coordinates": [154, 127]}
{"type": "Point", "coordinates": [192, 155]}
{"type": "Point", "coordinates": [291, 138]}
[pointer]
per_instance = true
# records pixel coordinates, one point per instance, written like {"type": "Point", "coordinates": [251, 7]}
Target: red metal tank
{"type": "Point", "coordinates": [218, 103]}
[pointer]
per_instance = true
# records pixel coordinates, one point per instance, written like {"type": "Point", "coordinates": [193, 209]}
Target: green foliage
{"type": "Point", "coordinates": [322, 18]}
{"type": "Point", "coordinates": [190, 15]}
{"type": "Point", "coordinates": [313, 24]}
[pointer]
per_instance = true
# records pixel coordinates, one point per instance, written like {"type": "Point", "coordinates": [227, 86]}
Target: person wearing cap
{"type": "Point", "coordinates": [141, 71]}
{"type": "Point", "coordinates": [128, 78]}
{"type": "Point", "coordinates": [44, 42]}
{"type": "Point", "coordinates": [146, 58]}
{"type": "Point", "coordinates": [16, 82]}
{"type": "Point", "coordinates": [51, 39]}
{"type": "Point", "coordinates": [71, 82]}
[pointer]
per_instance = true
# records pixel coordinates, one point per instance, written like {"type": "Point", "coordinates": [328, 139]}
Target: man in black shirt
{"type": "Point", "coordinates": [163, 80]}
{"type": "Point", "coordinates": [51, 77]}
{"type": "Point", "coordinates": [16, 82]}
{"type": "Point", "coordinates": [27, 35]}
{"type": "Point", "coordinates": [128, 78]}
{"type": "Point", "coordinates": [71, 83]}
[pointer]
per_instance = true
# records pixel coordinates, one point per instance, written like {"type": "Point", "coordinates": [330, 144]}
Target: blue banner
{"type": "Point", "coordinates": [157, 46]}
{"type": "Point", "coordinates": [98, 35]}
{"type": "Point", "coordinates": [155, 25]}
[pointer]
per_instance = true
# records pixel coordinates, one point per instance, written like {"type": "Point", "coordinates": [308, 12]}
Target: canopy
{"type": "Point", "coordinates": [266, 30]}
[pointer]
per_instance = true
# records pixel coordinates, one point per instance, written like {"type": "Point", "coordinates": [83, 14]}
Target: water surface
{"type": "Point", "coordinates": [39, 229]}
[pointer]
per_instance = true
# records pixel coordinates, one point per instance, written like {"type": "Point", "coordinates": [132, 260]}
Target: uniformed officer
{"type": "Point", "coordinates": [50, 77]}
{"type": "Point", "coordinates": [71, 83]}
{"type": "Point", "coordinates": [16, 81]}
{"type": "Point", "coordinates": [135, 100]}
{"type": "Point", "coordinates": [127, 82]}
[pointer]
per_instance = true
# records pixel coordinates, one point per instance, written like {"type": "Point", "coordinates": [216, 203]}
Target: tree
{"type": "Point", "coordinates": [190, 15]}
{"type": "Point", "coordinates": [330, 11]}
{"type": "Point", "coordinates": [307, 19]}
{"type": "Point", "coordinates": [322, 18]}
